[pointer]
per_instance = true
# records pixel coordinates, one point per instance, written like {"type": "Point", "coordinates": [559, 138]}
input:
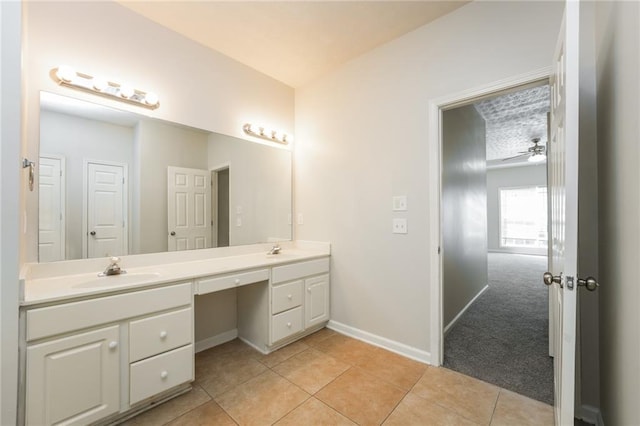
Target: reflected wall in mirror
{"type": "Point", "coordinates": [114, 183]}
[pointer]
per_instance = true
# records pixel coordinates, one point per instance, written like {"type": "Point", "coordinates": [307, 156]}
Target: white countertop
{"type": "Point", "coordinates": [67, 280]}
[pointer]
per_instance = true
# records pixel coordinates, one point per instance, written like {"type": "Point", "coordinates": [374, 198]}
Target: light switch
{"type": "Point", "coordinates": [238, 221]}
{"type": "Point", "coordinates": [300, 219]}
{"type": "Point", "coordinates": [400, 203]}
{"type": "Point", "coordinates": [399, 225]}
{"type": "Point", "coordinates": [238, 209]}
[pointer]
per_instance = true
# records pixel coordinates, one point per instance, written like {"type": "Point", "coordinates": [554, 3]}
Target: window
{"type": "Point", "coordinates": [523, 217]}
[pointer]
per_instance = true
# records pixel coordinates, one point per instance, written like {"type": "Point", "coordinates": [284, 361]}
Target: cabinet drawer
{"type": "Point", "coordinates": [154, 375]}
{"type": "Point", "coordinates": [286, 296]}
{"type": "Point", "coordinates": [299, 270]}
{"type": "Point", "coordinates": [209, 285]}
{"type": "Point", "coordinates": [286, 324]}
{"type": "Point", "coordinates": [160, 333]}
{"type": "Point", "coordinates": [43, 322]}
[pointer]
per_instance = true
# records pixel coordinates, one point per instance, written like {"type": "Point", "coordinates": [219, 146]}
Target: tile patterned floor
{"type": "Point", "coordinates": [330, 379]}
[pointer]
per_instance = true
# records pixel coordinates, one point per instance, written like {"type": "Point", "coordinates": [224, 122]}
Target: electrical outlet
{"type": "Point", "coordinates": [400, 225]}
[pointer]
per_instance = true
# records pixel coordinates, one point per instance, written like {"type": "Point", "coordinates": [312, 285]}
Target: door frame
{"type": "Point", "coordinates": [85, 202]}
{"type": "Point", "coordinates": [435, 108]}
{"type": "Point", "coordinates": [214, 198]}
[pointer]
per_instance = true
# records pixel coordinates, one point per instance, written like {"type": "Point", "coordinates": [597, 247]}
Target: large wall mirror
{"type": "Point", "coordinates": [114, 183]}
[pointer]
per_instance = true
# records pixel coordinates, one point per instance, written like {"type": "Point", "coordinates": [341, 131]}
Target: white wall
{"type": "Point", "coordinates": [618, 120]}
{"type": "Point", "coordinates": [510, 177]}
{"type": "Point", "coordinates": [10, 126]}
{"type": "Point", "coordinates": [464, 210]}
{"type": "Point", "coordinates": [78, 139]}
{"type": "Point", "coordinates": [197, 86]}
{"type": "Point", "coordinates": [361, 138]}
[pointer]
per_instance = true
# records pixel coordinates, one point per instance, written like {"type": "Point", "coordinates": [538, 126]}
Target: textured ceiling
{"type": "Point", "coordinates": [292, 41]}
{"type": "Point", "coordinates": [513, 119]}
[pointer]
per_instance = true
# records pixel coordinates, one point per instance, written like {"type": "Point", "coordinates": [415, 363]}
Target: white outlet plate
{"type": "Point", "coordinates": [300, 219]}
{"type": "Point", "coordinates": [400, 203]}
{"type": "Point", "coordinates": [399, 225]}
{"type": "Point", "coordinates": [238, 221]}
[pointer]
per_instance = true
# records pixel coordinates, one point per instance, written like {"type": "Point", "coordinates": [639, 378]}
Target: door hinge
{"type": "Point", "coordinates": [60, 173]}
{"type": "Point", "coordinates": [123, 181]}
{"type": "Point", "coordinates": [439, 250]}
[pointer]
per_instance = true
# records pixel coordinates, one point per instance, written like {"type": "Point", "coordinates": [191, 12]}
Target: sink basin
{"type": "Point", "coordinates": [115, 280]}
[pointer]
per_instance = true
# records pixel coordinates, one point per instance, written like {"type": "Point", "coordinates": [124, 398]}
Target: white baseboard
{"type": "Point", "coordinates": [216, 340]}
{"type": "Point", "coordinates": [590, 414]}
{"type": "Point", "coordinates": [382, 342]}
{"type": "Point", "coordinates": [457, 317]}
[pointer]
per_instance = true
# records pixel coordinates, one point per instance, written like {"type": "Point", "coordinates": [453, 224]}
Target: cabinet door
{"type": "Point", "coordinates": [316, 302]}
{"type": "Point", "coordinates": [73, 380]}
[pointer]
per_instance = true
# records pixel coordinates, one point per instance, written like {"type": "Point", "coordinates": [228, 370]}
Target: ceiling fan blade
{"type": "Point", "coordinates": [516, 156]}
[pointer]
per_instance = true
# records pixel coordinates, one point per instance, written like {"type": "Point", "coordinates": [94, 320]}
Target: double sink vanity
{"type": "Point", "coordinates": [100, 349]}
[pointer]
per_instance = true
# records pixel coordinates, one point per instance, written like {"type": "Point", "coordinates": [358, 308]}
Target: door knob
{"type": "Point", "coordinates": [173, 233]}
{"type": "Point", "coordinates": [548, 278]}
{"type": "Point", "coordinates": [93, 233]}
{"type": "Point", "coordinates": [589, 283]}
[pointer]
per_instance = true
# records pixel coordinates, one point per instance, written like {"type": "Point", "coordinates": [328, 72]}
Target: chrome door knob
{"type": "Point", "coordinates": [548, 278]}
{"type": "Point", "coordinates": [589, 283]}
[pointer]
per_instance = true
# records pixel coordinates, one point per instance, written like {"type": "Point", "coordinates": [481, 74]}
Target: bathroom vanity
{"type": "Point", "coordinates": [99, 349]}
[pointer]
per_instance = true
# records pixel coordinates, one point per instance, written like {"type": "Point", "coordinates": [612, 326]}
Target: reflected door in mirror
{"type": "Point", "coordinates": [51, 239]}
{"type": "Point", "coordinates": [189, 214]}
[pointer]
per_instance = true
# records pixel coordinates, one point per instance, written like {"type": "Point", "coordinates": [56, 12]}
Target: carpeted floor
{"type": "Point", "coordinates": [503, 337]}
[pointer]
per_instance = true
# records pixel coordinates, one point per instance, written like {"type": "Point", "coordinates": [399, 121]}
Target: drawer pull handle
{"type": "Point", "coordinates": [163, 335]}
{"type": "Point", "coordinates": [289, 297]}
{"type": "Point", "coordinates": [164, 375]}
{"type": "Point", "coordinates": [113, 345]}
{"type": "Point", "coordinates": [237, 280]}
{"type": "Point", "coordinates": [289, 324]}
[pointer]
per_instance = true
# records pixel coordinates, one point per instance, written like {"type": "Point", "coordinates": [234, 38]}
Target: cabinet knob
{"type": "Point", "coordinates": [289, 297]}
{"type": "Point", "coordinates": [289, 324]}
{"type": "Point", "coordinates": [164, 375]}
{"type": "Point", "coordinates": [163, 334]}
{"type": "Point", "coordinates": [237, 280]}
{"type": "Point", "coordinates": [113, 345]}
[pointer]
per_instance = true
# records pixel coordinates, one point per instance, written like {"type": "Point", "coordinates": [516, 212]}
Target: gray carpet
{"type": "Point", "coordinates": [503, 337]}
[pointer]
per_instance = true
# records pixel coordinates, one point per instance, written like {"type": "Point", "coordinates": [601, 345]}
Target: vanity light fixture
{"type": "Point", "coordinates": [67, 76]}
{"type": "Point", "coordinates": [270, 135]}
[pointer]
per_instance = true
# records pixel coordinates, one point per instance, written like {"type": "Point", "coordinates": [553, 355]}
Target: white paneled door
{"type": "Point", "coordinates": [189, 208]}
{"type": "Point", "coordinates": [106, 209]}
{"type": "Point", "coordinates": [563, 199]}
{"type": "Point", "coordinates": [51, 229]}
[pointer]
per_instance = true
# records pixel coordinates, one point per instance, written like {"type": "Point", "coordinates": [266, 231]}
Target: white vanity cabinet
{"type": "Point", "coordinates": [91, 359]}
{"type": "Point", "coordinates": [294, 303]}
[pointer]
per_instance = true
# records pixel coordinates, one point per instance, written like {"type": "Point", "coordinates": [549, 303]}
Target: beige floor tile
{"type": "Point", "coordinates": [346, 349]}
{"type": "Point", "coordinates": [414, 410]}
{"type": "Point", "coordinates": [208, 414]}
{"type": "Point", "coordinates": [311, 369]}
{"type": "Point", "coordinates": [283, 354]}
{"type": "Point", "coordinates": [318, 336]}
{"type": "Point", "coordinates": [514, 409]}
{"type": "Point", "coordinates": [235, 348]}
{"type": "Point", "coordinates": [395, 369]}
{"type": "Point", "coordinates": [171, 409]}
{"type": "Point", "coordinates": [364, 399]}
{"type": "Point", "coordinates": [225, 372]}
{"type": "Point", "coordinates": [314, 412]}
{"type": "Point", "coordinates": [262, 400]}
{"type": "Point", "coordinates": [470, 398]}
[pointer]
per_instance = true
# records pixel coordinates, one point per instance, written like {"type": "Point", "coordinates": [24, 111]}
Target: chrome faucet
{"type": "Point", "coordinates": [275, 249]}
{"type": "Point", "coordinates": [113, 268]}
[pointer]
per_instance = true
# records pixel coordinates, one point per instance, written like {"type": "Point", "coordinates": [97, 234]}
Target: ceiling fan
{"type": "Point", "coordinates": [536, 153]}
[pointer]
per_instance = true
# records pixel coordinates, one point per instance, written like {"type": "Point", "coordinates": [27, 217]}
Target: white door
{"type": "Point", "coordinates": [51, 229]}
{"type": "Point", "coordinates": [188, 208]}
{"type": "Point", "coordinates": [563, 198]}
{"type": "Point", "coordinates": [106, 210]}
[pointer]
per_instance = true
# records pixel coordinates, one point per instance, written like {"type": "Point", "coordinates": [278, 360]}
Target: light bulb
{"type": "Point", "coordinates": [151, 99]}
{"type": "Point", "coordinates": [99, 83]}
{"type": "Point", "coordinates": [65, 73]}
{"type": "Point", "coordinates": [536, 158]}
{"type": "Point", "coordinates": [126, 91]}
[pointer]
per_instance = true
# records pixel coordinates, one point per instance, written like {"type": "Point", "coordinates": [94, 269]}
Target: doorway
{"type": "Point", "coordinates": [220, 206]}
{"type": "Point", "coordinates": [495, 315]}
